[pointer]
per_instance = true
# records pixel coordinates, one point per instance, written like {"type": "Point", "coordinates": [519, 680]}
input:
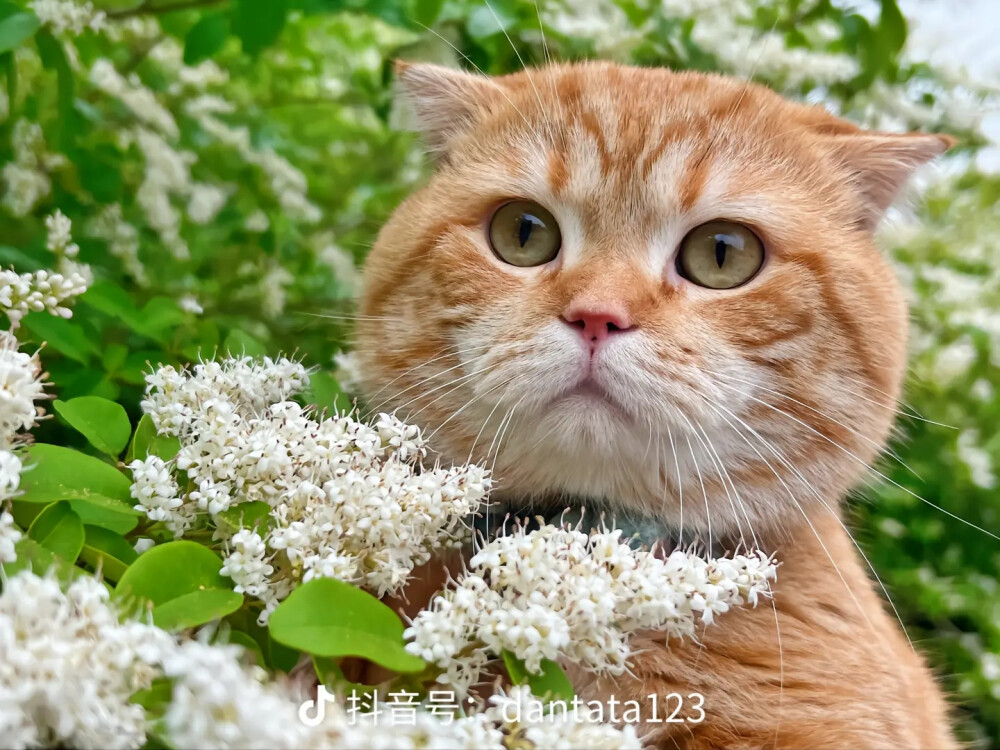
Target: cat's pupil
{"type": "Point", "coordinates": [524, 230]}
{"type": "Point", "coordinates": [720, 251]}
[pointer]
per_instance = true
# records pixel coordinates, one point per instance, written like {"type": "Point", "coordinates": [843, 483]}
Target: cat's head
{"type": "Point", "coordinates": [654, 289]}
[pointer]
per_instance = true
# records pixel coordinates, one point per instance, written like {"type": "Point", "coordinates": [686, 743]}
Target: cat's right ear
{"type": "Point", "coordinates": [444, 102]}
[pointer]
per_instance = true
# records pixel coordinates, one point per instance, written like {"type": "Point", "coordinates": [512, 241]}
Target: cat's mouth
{"type": "Point", "coordinates": [592, 394]}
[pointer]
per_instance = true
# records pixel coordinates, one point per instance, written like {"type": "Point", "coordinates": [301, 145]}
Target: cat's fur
{"type": "Point", "coordinates": [753, 410]}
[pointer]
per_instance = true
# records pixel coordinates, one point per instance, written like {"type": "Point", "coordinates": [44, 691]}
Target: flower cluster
{"type": "Point", "coordinates": [71, 668]}
{"type": "Point", "coordinates": [558, 593]}
{"type": "Point", "coordinates": [27, 175]}
{"type": "Point", "coordinates": [20, 387]}
{"type": "Point", "coordinates": [21, 293]}
{"type": "Point", "coordinates": [343, 499]}
{"type": "Point", "coordinates": [68, 16]}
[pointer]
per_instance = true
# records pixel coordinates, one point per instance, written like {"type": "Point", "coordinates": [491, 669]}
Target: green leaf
{"type": "Point", "coordinates": [426, 12]}
{"type": "Point", "coordinates": [104, 423]}
{"type": "Point", "coordinates": [146, 442]}
{"type": "Point", "coordinates": [325, 617]}
{"type": "Point", "coordinates": [551, 684]}
{"type": "Point", "coordinates": [10, 69]}
{"type": "Point", "coordinates": [195, 608]}
{"type": "Point", "coordinates": [56, 473]}
{"type": "Point", "coordinates": [108, 551]}
{"type": "Point", "coordinates": [157, 696]}
{"type": "Point", "coordinates": [325, 392]}
{"type": "Point", "coordinates": [59, 530]}
{"type": "Point", "coordinates": [243, 515]}
{"type": "Point", "coordinates": [206, 37]}
{"type": "Point", "coordinates": [281, 657]}
{"type": "Point", "coordinates": [159, 318]}
{"type": "Point", "coordinates": [65, 337]}
{"type": "Point", "coordinates": [16, 28]}
{"type": "Point", "coordinates": [891, 27]}
{"type": "Point", "coordinates": [53, 57]}
{"type": "Point", "coordinates": [138, 447]}
{"type": "Point", "coordinates": [241, 344]}
{"type": "Point", "coordinates": [106, 513]}
{"type": "Point", "coordinates": [182, 581]}
{"type": "Point", "coordinates": [258, 23]}
{"type": "Point", "coordinates": [243, 639]}
{"type": "Point", "coordinates": [114, 357]}
{"type": "Point", "coordinates": [33, 556]}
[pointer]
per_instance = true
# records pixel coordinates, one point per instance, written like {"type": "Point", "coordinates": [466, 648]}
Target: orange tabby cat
{"type": "Point", "coordinates": [657, 293]}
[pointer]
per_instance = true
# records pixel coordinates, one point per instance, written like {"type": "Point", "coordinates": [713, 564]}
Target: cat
{"type": "Point", "coordinates": [657, 293]}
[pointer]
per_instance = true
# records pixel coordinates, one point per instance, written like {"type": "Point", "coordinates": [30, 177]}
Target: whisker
{"type": "Point", "coordinates": [519, 58]}
{"type": "Point", "coordinates": [704, 492]}
{"type": "Point", "coordinates": [469, 403]}
{"type": "Point", "coordinates": [718, 466]}
{"type": "Point", "coordinates": [874, 470]}
{"type": "Point", "coordinates": [680, 485]}
{"type": "Point", "coordinates": [469, 60]}
{"type": "Point", "coordinates": [781, 457]}
{"type": "Point", "coordinates": [864, 437]}
{"type": "Point", "coordinates": [417, 385]}
{"type": "Point", "coordinates": [447, 352]}
{"type": "Point", "coordinates": [805, 516]}
{"type": "Point", "coordinates": [460, 380]}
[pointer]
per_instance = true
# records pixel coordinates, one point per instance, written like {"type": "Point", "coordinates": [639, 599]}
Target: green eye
{"type": "Point", "coordinates": [523, 233]}
{"type": "Point", "coordinates": [720, 255]}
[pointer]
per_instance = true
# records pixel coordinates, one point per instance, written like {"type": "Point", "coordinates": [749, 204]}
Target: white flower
{"type": "Point", "coordinates": [976, 459]}
{"type": "Point", "coordinates": [59, 240]}
{"type": "Point", "coordinates": [346, 499]}
{"type": "Point", "coordinates": [122, 238]}
{"type": "Point", "coordinates": [26, 176]}
{"type": "Point", "coordinates": [953, 361]}
{"type": "Point", "coordinates": [69, 668]}
{"type": "Point", "coordinates": [71, 16]}
{"type": "Point", "coordinates": [10, 474]}
{"type": "Point", "coordinates": [9, 536]}
{"type": "Point", "coordinates": [20, 387]}
{"type": "Point", "coordinates": [348, 371]}
{"type": "Point", "coordinates": [257, 222]}
{"type": "Point", "coordinates": [189, 303]}
{"type": "Point", "coordinates": [246, 565]}
{"type": "Point", "coordinates": [141, 101]}
{"type": "Point", "coordinates": [154, 488]}
{"type": "Point", "coordinates": [559, 593]}
{"type": "Point", "coordinates": [205, 202]}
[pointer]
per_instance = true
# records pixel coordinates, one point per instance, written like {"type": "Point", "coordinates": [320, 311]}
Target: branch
{"type": "Point", "coordinates": [148, 8]}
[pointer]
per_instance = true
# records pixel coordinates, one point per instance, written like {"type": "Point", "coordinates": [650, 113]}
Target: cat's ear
{"type": "Point", "coordinates": [881, 163]}
{"type": "Point", "coordinates": [444, 102]}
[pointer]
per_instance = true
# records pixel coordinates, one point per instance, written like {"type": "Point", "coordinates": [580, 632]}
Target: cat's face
{"type": "Point", "coordinates": [652, 289]}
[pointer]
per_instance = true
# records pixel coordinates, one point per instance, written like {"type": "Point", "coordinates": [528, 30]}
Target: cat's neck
{"type": "Point", "coordinates": [649, 530]}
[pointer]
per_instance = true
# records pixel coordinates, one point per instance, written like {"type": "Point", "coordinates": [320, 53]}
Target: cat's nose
{"type": "Point", "coordinates": [596, 322]}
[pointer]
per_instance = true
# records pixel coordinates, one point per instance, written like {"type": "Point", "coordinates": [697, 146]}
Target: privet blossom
{"type": "Point", "coordinates": [340, 498]}
{"type": "Point", "coordinates": [71, 667]}
{"type": "Point", "coordinates": [45, 290]}
{"type": "Point", "coordinates": [559, 593]}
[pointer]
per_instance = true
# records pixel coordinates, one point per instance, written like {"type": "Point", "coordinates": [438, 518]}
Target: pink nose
{"type": "Point", "coordinates": [596, 323]}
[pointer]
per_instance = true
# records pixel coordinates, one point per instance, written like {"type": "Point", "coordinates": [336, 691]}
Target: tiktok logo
{"type": "Point", "coordinates": [318, 706]}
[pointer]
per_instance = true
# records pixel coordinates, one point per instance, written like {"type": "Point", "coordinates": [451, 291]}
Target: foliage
{"type": "Point", "coordinates": [226, 163]}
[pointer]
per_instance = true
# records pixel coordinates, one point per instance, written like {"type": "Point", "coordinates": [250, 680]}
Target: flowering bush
{"type": "Point", "coordinates": [188, 182]}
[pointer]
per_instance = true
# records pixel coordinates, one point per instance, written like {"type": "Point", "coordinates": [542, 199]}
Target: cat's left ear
{"type": "Point", "coordinates": [881, 163]}
{"type": "Point", "coordinates": [444, 102]}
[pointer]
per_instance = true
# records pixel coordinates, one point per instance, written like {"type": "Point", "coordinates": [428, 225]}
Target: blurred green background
{"type": "Point", "coordinates": [227, 163]}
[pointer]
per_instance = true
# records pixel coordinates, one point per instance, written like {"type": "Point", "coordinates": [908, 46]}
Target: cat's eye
{"type": "Point", "coordinates": [523, 233]}
{"type": "Point", "coordinates": [720, 255]}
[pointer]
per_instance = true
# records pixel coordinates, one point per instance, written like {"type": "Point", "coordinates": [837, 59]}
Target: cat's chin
{"type": "Point", "coordinates": [589, 407]}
